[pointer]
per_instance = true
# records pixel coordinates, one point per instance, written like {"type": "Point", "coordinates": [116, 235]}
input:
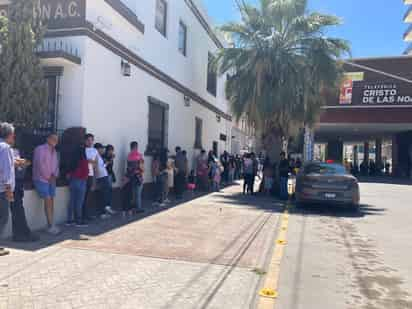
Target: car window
{"type": "Point", "coordinates": [325, 169]}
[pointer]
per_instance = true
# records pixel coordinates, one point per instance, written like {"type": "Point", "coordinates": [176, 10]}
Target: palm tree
{"type": "Point", "coordinates": [280, 64]}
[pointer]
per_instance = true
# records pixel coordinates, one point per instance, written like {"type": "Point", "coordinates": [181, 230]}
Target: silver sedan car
{"type": "Point", "coordinates": [326, 183]}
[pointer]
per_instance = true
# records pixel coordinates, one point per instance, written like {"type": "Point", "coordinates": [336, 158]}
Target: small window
{"type": "Point", "coordinates": [198, 133]}
{"type": "Point", "coordinates": [157, 125]}
{"type": "Point", "coordinates": [182, 38]}
{"type": "Point", "coordinates": [211, 76]}
{"type": "Point", "coordinates": [161, 16]}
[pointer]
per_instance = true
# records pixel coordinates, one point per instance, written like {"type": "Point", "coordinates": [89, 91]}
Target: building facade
{"type": "Point", "coordinates": [134, 70]}
{"type": "Point", "coordinates": [372, 117]}
{"type": "Point", "coordinates": [243, 137]}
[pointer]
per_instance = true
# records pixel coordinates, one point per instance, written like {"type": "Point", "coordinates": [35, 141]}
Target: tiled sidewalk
{"type": "Point", "coordinates": [200, 254]}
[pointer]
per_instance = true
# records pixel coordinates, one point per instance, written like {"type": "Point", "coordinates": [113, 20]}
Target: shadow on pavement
{"type": "Point", "coordinates": [96, 227]}
{"type": "Point", "coordinates": [258, 201]}
{"type": "Point", "coordinates": [385, 180]}
{"type": "Point", "coordinates": [338, 211]}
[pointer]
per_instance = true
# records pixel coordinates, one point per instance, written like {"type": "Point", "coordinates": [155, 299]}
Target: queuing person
{"type": "Point", "coordinates": [77, 174]}
{"type": "Point", "coordinates": [238, 167]}
{"type": "Point", "coordinates": [268, 176]}
{"type": "Point", "coordinates": [170, 178]}
{"type": "Point", "coordinates": [255, 172]}
{"type": "Point", "coordinates": [215, 171]}
{"type": "Point", "coordinates": [135, 174]}
{"type": "Point", "coordinates": [248, 172]}
{"type": "Point", "coordinates": [181, 164]}
{"type": "Point", "coordinates": [232, 169]}
{"type": "Point", "coordinates": [284, 176]}
{"type": "Point", "coordinates": [7, 175]}
{"type": "Point", "coordinates": [91, 156]}
{"type": "Point", "coordinates": [104, 206]}
{"type": "Point", "coordinates": [155, 167]}
{"type": "Point", "coordinates": [202, 171]}
{"type": "Point", "coordinates": [20, 228]}
{"type": "Point", "coordinates": [108, 159]}
{"type": "Point", "coordinates": [45, 173]}
{"type": "Point", "coordinates": [224, 161]}
{"type": "Point", "coordinates": [162, 179]}
{"type": "Point", "coordinates": [364, 168]}
{"type": "Point", "coordinates": [191, 182]}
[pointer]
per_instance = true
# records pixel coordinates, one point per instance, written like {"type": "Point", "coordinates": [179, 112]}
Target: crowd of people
{"type": "Point", "coordinates": [91, 168]}
{"type": "Point", "coordinates": [368, 168]}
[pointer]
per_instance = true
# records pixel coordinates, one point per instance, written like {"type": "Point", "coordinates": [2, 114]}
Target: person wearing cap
{"type": "Point", "coordinates": [104, 208]}
{"type": "Point", "coordinates": [45, 173]}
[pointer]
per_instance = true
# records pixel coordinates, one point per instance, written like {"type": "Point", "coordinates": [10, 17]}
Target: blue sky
{"type": "Point", "coordinates": [374, 27]}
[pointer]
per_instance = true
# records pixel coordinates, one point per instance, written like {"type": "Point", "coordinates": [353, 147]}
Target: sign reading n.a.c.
{"type": "Point", "coordinates": [57, 14]}
{"type": "Point", "coordinates": [382, 94]}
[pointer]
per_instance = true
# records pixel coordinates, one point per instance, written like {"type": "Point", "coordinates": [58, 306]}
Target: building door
{"type": "Point", "coordinates": [216, 148]}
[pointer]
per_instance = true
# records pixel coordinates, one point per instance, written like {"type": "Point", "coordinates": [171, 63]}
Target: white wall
{"type": "Point", "coordinates": [115, 108]}
{"type": "Point", "coordinates": [34, 209]}
{"type": "Point", "coordinates": [162, 51]}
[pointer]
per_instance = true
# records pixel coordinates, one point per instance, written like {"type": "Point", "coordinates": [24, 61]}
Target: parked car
{"type": "Point", "coordinates": [326, 183]}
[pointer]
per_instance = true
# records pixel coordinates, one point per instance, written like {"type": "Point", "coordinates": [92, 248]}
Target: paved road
{"type": "Point", "coordinates": [210, 253]}
{"type": "Point", "coordinates": [202, 254]}
{"type": "Point", "coordinates": [338, 259]}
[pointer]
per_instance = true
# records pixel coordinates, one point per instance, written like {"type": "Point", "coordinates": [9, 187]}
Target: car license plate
{"type": "Point", "coordinates": [330, 195]}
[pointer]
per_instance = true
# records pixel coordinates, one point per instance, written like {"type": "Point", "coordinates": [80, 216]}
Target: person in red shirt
{"type": "Point", "coordinates": [78, 174]}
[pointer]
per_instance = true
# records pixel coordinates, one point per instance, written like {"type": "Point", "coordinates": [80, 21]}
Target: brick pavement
{"type": "Point", "coordinates": [196, 255]}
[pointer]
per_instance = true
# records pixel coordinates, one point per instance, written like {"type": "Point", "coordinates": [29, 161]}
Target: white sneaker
{"type": "Point", "coordinates": [109, 210]}
{"type": "Point", "coordinates": [162, 205]}
{"type": "Point", "coordinates": [167, 201]}
{"type": "Point", "coordinates": [53, 230]}
{"type": "Point", "coordinates": [105, 216]}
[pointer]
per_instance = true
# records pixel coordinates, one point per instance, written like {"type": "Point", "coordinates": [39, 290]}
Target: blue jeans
{"type": "Point", "coordinates": [284, 195]}
{"type": "Point", "coordinates": [4, 211]}
{"type": "Point", "coordinates": [138, 197]}
{"type": "Point", "coordinates": [105, 192]}
{"type": "Point", "coordinates": [77, 195]}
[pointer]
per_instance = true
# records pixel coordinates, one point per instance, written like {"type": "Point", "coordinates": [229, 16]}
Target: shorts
{"type": "Point", "coordinates": [44, 189]}
{"type": "Point", "coordinates": [268, 183]}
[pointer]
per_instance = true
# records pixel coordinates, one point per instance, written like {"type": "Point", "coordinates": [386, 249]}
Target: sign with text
{"type": "Point", "coordinates": [346, 88]}
{"type": "Point", "coordinates": [382, 94]}
{"type": "Point", "coordinates": [58, 14]}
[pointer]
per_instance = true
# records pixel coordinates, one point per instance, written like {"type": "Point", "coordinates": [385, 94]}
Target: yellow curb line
{"type": "Point", "coordinates": [269, 293]}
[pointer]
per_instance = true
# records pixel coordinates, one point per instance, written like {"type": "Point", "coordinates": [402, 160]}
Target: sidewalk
{"type": "Point", "coordinates": [200, 254]}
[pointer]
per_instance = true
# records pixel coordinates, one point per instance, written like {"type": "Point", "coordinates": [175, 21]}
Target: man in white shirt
{"type": "Point", "coordinates": [91, 155]}
{"type": "Point", "coordinates": [104, 184]}
{"type": "Point", "coordinates": [7, 175]}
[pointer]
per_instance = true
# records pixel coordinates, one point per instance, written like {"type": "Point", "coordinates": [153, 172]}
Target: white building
{"type": "Point", "coordinates": [243, 137]}
{"type": "Point", "coordinates": [134, 70]}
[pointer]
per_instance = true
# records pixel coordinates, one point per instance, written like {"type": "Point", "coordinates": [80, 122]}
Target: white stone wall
{"type": "Point", "coordinates": [34, 209]}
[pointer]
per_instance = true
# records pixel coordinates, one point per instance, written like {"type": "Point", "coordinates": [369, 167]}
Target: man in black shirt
{"type": "Point", "coordinates": [284, 176]}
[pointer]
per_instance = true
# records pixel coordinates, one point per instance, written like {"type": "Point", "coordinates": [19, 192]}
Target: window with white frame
{"type": "Point", "coordinates": [161, 16]}
{"type": "Point", "coordinates": [182, 38]}
{"type": "Point", "coordinates": [211, 75]}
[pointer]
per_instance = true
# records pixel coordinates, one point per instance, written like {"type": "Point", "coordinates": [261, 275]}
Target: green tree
{"type": "Point", "coordinates": [23, 90]}
{"type": "Point", "coordinates": [281, 64]}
